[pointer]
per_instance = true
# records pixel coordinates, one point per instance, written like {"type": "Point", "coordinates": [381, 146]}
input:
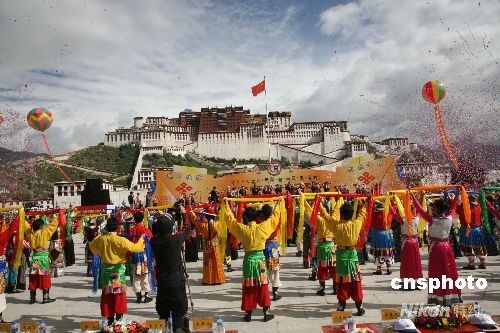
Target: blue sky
{"type": "Point", "coordinates": [97, 64]}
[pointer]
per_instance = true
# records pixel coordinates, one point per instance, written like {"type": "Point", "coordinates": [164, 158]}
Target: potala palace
{"type": "Point", "coordinates": [232, 132]}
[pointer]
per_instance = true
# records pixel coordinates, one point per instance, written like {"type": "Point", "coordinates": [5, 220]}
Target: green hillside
{"type": "Point", "coordinates": [34, 178]}
{"type": "Point", "coordinates": [119, 161]}
{"type": "Point", "coordinates": [168, 160]}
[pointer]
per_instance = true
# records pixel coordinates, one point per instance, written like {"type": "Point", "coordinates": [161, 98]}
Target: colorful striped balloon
{"type": "Point", "coordinates": [433, 91]}
{"type": "Point", "coordinates": [40, 119]}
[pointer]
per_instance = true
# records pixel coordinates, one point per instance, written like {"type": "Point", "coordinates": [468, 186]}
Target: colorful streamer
{"type": "Point", "coordinates": [149, 256]}
{"type": "Point", "coordinates": [222, 232]}
{"type": "Point", "coordinates": [444, 138]}
{"type": "Point", "coordinates": [20, 233]}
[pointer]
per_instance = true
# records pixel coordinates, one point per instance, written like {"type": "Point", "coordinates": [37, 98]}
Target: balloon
{"type": "Point", "coordinates": [40, 119]}
{"type": "Point", "coordinates": [433, 91]}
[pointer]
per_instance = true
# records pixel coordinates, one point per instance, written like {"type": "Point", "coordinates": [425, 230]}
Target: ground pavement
{"type": "Point", "coordinates": [299, 309]}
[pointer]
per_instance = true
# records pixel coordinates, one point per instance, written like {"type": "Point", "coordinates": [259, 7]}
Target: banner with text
{"type": "Point", "coordinates": [170, 185]}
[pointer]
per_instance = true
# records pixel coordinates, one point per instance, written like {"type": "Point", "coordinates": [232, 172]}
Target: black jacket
{"type": "Point", "coordinates": [167, 253]}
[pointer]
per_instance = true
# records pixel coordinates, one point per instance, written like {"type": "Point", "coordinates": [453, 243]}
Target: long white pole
{"type": "Point", "coordinates": [267, 122]}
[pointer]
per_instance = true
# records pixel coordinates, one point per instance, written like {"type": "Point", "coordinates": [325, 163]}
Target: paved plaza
{"type": "Point", "coordinates": [299, 309]}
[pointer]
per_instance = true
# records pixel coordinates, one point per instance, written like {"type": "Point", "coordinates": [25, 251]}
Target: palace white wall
{"type": "Point", "coordinates": [232, 145]}
{"type": "Point", "coordinates": [326, 139]}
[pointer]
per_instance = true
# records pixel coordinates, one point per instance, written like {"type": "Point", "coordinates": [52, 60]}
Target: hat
{"type": "Point", "coordinates": [128, 217]}
{"type": "Point", "coordinates": [378, 205]}
{"type": "Point", "coordinates": [473, 199]}
{"type": "Point", "coordinates": [211, 211]}
{"type": "Point", "coordinates": [405, 325]}
{"type": "Point", "coordinates": [165, 224]}
{"type": "Point", "coordinates": [483, 321]}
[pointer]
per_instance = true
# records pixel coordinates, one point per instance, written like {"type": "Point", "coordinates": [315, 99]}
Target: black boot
{"type": "Point", "coordinates": [312, 277]}
{"type": "Point", "coordinates": [230, 268]}
{"type": "Point", "coordinates": [267, 315]}
{"type": "Point", "coordinates": [248, 316]}
{"type": "Point", "coordinates": [275, 294]}
{"type": "Point", "coordinates": [334, 288]}
{"type": "Point", "coordinates": [147, 297]}
{"type": "Point", "coordinates": [119, 317]}
{"type": "Point", "coordinates": [321, 291]}
{"type": "Point", "coordinates": [89, 270]}
{"type": "Point", "coordinates": [139, 297]}
{"type": "Point", "coordinates": [341, 306]}
{"type": "Point", "coordinates": [32, 296]}
{"type": "Point", "coordinates": [46, 297]}
{"type": "Point", "coordinates": [111, 320]}
{"type": "Point", "coordinates": [359, 306]}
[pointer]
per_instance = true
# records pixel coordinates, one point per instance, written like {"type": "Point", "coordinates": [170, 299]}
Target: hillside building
{"type": "Point", "coordinates": [232, 132]}
{"type": "Point", "coordinates": [40, 204]}
{"type": "Point", "coordinates": [67, 194]}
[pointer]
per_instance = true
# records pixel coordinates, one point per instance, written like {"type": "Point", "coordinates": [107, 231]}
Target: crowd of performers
{"type": "Point", "coordinates": [333, 231]}
{"type": "Point", "coordinates": [44, 250]}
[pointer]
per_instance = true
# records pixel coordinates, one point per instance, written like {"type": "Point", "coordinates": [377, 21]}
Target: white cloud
{"type": "Point", "coordinates": [96, 64]}
{"type": "Point", "coordinates": [345, 20]}
{"type": "Point", "coordinates": [393, 48]}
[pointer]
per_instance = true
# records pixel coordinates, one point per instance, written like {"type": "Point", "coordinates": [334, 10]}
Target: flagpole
{"type": "Point", "coordinates": [267, 121]}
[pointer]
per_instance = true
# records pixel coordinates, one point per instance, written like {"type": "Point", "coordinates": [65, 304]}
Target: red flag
{"type": "Point", "coordinates": [259, 88]}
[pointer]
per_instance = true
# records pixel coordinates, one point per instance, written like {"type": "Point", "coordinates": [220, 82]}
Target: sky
{"type": "Point", "coordinates": [97, 64]}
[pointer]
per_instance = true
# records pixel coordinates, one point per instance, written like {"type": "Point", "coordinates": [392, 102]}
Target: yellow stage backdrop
{"type": "Point", "coordinates": [170, 185]}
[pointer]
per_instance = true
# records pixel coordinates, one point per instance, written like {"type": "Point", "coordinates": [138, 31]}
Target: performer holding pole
{"type": "Point", "coordinates": [170, 269]}
{"type": "Point", "coordinates": [140, 266]}
{"type": "Point", "coordinates": [39, 278]}
{"type": "Point", "coordinates": [253, 237]}
{"type": "Point", "coordinates": [4, 237]}
{"type": "Point", "coordinates": [113, 250]}
{"type": "Point", "coordinates": [325, 252]}
{"type": "Point", "coordinates": [347, 229]}
{"type": "Point", "coordinates": [472, 245]}
{"type": "Point", "coordinates": [271, 252]}
{"type": "Point", "coordinates": [441, 257]}
{"type": "Point", "coordinates": [382, 243]}
{"type": "Point", "coordinates": [206, 224]}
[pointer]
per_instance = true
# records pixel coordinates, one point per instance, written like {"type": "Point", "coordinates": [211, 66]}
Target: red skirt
{"type": "Point", "coordinates": [255, 295]}
{"type": "Point", "coordinates": [39, 282]}
{"type": "Point", "coordinates": [411, 265]}
{"type": "Point", "coordinates": [113, 303]}
{"type": "Point", "coordinates": [442, 262]}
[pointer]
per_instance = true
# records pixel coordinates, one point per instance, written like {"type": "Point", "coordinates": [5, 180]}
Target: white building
{"type": "Point", "coordinates": [67, 194]}
{"type": "Point", "coordinates": [234, 133]}
{"type": "Point", "coordinates": [40, 204]}
{"type": "Point", "coordinates": [147, 176]}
